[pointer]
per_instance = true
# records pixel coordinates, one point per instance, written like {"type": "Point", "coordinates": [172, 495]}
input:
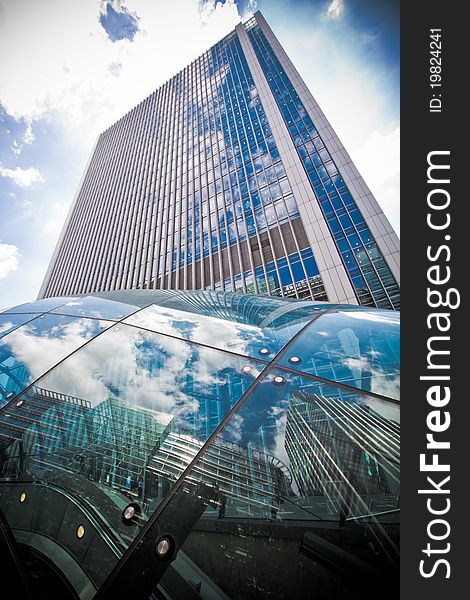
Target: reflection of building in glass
{"type": "Point", "coordinates": [42, 425]}
{"type": "Point", "coordinates": [228, 177]}
{"type": "Point", "coordinates": [12, 374]}
{"type": "Point", "coordinates": [130, 449]}
{"type": "Point", "coordinates": [247, 478]}
{"type": "Point", "coordinates": [125, 436]}
{"type": "Point", "coordinates": [110, 443]}
{"type": "Point", "coordinates": [343, 452]}
{"type": "Point", "coordinates": [248, 430]}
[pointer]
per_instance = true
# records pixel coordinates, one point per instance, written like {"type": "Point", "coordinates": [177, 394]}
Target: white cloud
{"type": "Point", "coordinates": [29, 137]}
{"type": "Point", "coordinates": [52, 223]}
{"type": "Point", "coordinates": [92, 81]}
{"type": "Point", "coordinates": [379, 157]}
{"type": "Point", "coordinates": [9, 255]}
{"type": "Point", "coordinates": [335, 9]}
{"type": "Point", "coordinates": [22, 177]}
{"type": "Point", "coordinates": [378, 161]}
{"type": "Point", "coordinates": [16, 148]}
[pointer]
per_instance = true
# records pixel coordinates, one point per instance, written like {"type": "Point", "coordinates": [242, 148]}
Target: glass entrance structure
{"type": "Point", "coordinates": [200, 445]}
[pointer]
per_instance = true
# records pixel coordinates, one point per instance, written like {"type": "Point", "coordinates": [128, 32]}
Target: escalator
{"type": "Point", "coordinates": [57, 531]}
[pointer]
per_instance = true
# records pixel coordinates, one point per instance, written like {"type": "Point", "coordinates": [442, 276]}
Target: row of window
{"type": "Point", "coordinates": [197, 173]}
{"type": "Point", "coordinates": [369, 274]}
{"type": "Point", "coordinates": [294, 275]}
{"type": "Point", "coordinates": [256, 193]}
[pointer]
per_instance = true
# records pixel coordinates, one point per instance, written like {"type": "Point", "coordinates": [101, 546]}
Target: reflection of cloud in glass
{"type": "Point", "coordinates": [38, 349]}
{"type": "Point", "coordinates": [147, 370]}
{"type": "Point", "coordinates": [234, 429]}
{"type": "Point", "coordinates": [138, 405]}
{"type": "Point", "coordinates": [266, 405]}
{"type": "Point", "coordinates": [98, 308]}
{"type": "Point", "coordinates": [6, 327]}
{"type": "Point", "coordinates": [385, 384]}
{"type": "Point", "coordinates": [125, 364]}
{"type": "Point", "coordinates": [375, 317]}
{"type": "Point", "coordinates": [279, 449]}
{"type": "Point", "coordinates": [212, 331]}
{"type": "Point", "coordinates": [235, 337]}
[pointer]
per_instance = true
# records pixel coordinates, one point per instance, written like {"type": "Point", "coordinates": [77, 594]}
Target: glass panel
{"type": "Point", "coordinates": [137, 298]}
{"type": "Point", "coordinates": [8, 322]}
{"type": "Point", "coordinates": [196, 385]}
{"type": "Point", "coordinates": [29, 351]}
{"type": "Point", "coordinates": [331, 202]}
{"type": "Point", "coordinates": [96, 308]}
{"type": "Point", "coordinates": [92, 433]}
{"type": "Point", "coordinates": [249, 325]}
{"type": "Point", "coordinates": [38, 306]}
{"type": "Point", "coordinates": [357, 347]}
{"type": "Point", "coordinates": [300, 463]}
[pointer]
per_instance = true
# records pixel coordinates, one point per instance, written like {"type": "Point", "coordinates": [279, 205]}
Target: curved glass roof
{"type": "Point", "coordinates": [233, 409]}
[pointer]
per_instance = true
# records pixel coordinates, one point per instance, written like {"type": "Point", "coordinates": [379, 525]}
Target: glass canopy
{"type": "Point", "coordinates": [209, 442]}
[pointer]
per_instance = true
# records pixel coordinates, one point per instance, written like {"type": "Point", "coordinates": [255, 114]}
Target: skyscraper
{"type": "Point", "coordinates": [228, 177]}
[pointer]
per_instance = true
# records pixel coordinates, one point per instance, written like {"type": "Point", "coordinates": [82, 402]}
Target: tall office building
{"type": "Point", "coordinates": [228, 177]}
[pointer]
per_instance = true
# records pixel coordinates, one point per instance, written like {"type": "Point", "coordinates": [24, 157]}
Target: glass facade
{"type": "Point", "coordinates": [192, 189]}
{"type": "Point", "coordinates": [369, 273]}
{"type": "Point", "coordinates": [254, 439]}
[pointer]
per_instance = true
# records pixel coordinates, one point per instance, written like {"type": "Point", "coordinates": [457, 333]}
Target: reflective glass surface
{"type": "Point", "coordinates": [253, 459]}
{"type": "Point", "coordinates": [247, 325]}
{"type": "Point", "coordinates": [137, 298]}
{"type": "Point", "coordinates": [360, 348]}
{"type": "Point", "coordinates": [8, 322]}
{"type": "Point", "coordinates": [331, 449]}
{"type": "Point", "coordinates": [297, 460]}
{"type": "Point", "coordinates": [29, 351]}
{"type": "Point", "coordinates": [196, 385]}
{"type": "Point", "coordinates": [97, 308]}
{"type": "Point", "coordinates": [234, 201]}
{"type": "Point", "coordinates": [95, 425]}
{"type": "Point", "coordinates": [39, 306]}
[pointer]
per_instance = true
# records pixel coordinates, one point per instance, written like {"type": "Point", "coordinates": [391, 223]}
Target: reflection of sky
{"type": "Point", "coordinates": [357, 52]}
{"type": "Point", "coordinates": [38, 345]}
{"type": "Point", "coordinates": [256, 422]}
{"type": "Point", "coordinates": [38, 306]}
{"type": "Point", "coordinates": [194, 386]}
{"type": "Point", "coordinates": [224, 320]}
{"type": "Point", "coordinates": [386, 410]}
{"type": "Point", "coordinates": [118, 24]}
{"type": "Point", "coordinates": [385, 384]}
{"type": "Point", "coordinates": [357, 347]}
{"type": "Point", "coordinates": [96, 308]}
{"type": "Point", "coordinates": [261, 422]}
{"type": "Point", "coordinates": [219, 333]}
{"type": "Point", "coordinates": [9, 322]}
{"type": "Point", "coordinates": [153, 371]}
{"type": "Point", "coordinates": [376, 316]}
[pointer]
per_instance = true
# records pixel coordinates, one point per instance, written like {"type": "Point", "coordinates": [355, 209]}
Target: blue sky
{"type": "Point", "coordinates": [119, 23]}
{"type": "Point", "coordinates": [91, 61]}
